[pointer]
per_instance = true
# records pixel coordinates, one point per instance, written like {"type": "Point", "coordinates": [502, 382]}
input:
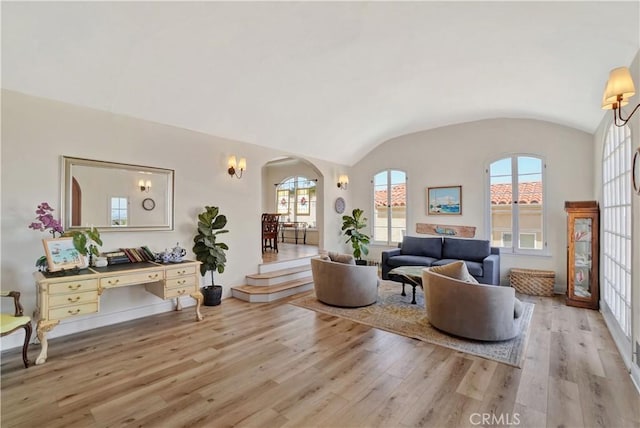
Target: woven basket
{"type": "Point", "coordinates": [532, 281]}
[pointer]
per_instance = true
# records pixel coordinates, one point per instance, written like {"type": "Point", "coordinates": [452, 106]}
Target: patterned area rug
{"type": "Point", "coordinates": [395, 313]}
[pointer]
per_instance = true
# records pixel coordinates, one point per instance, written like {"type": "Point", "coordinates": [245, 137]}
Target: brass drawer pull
{"type": "Point", "coordinates": [76, 312]}
{"type": "Point", "coordinates": [181, 281]}
{"type": "Point", "coordinates": [153, 276]}
{"type": "Point", "coordinates": [74, 287]}
{"type": "Point", "coordinates": [182, 272]}
{"type": "Point", "coordinates": [114, 282]}
{"type": "Point", "coordinates": [75, 299]}
{"type": "Point", "coordinates": [181, 291]}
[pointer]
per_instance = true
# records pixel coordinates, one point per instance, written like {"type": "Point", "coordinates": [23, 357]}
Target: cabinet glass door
{"type": "Point", "coordinates": [582, 237]}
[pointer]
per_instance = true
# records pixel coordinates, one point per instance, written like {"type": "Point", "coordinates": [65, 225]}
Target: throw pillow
{"type": "Point", "coordinates": [347, 259]}
{"type": "Point", "coordinates": [455, 270]}
{"type": "Point", "coordinates": [324, 257]}
{"type": "Point", "coordinates": [517, 308]}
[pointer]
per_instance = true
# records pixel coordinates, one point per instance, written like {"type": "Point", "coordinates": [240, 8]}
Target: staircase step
{"type": "Point", "coordinates": [285, 264]}
{"type": "Point", "coordinates": [254, 294]}
{"type": "Point", "coordinates": [278, 276]}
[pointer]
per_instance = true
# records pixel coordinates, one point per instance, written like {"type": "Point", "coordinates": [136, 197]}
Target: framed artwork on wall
{"type": "Point", "coordinates": [61, 254]}
{"type": "Point", "coordinates": [444, 200]}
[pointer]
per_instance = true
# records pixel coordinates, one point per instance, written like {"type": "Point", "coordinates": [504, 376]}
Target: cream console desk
{"type": "Point", "coordinates": [70, 295]}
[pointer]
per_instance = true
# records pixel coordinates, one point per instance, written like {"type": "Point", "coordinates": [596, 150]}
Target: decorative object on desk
{"type": "Point", "coordinates": [635, 171]}
{"type": "Point", "coordinates": [444, 200]}
{"type": "Point", "coordinates": [45, 221]}
{"type": "Point", "coordinates": [340, 205]}
{"type": "Point", "coordinates": [116, 257]}
{"type": "Point", "coordinates": [351, 227]}
{"type": "Point", "coordinates": [148, 204]}
{"type": "Point", "coordinates": [62, 254]}
{"type": "Point", "coordinates": [100, 262]}
{"type": "Point", "coordinates": [210, 252]}
{"type": "Point", "coordinates": [446, 230]}
{"type": "Point", "coordinates": [86, 242]}
{"type": "Point", "coordinates": [177, 253]}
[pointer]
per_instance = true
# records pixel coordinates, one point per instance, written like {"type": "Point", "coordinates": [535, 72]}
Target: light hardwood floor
{"type": "Point", "coordinates": [287, 251]}
{"type": "Point", "coordinates": [272, 365]}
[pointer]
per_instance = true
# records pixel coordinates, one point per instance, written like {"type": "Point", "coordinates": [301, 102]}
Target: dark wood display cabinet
{"type": "Point", "coordinates": [582, 253]}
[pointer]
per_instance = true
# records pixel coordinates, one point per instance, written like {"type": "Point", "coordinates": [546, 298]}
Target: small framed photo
{"type": "Point", "coordinates": [61, 254]}
{"type": "Point", "coordinates": [444, 200]}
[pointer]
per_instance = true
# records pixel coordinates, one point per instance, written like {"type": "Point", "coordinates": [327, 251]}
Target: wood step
{"type": "Point", "coordinates": [270, 289]}
{"type": "Point", "coordinates": [281, 272]}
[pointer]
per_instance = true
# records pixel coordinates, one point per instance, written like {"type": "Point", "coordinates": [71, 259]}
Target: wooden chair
{"type": "Point", "coordinates": [270, 224]}
{"type": "Point", "coordinates": [10, 323]}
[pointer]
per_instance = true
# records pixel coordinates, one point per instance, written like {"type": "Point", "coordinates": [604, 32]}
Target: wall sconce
{"type": "Point", "coordinates": [343, 182]}
{"type": "Point", "coordinates": [144, 186]}
{"type": "Point", "coordinates": [618, 90]}
{"type": "Point", "coordinates": [233, 166]}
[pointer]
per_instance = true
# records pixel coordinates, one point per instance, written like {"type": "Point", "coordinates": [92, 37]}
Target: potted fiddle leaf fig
{"type": "Point", "coordinates": [86, 242]}
{"type": "Point", "coordinates": [210, 252]}
{"type": "Point", "coordinates": [352, 226]}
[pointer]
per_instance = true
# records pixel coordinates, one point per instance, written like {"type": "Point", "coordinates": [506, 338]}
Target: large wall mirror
{"type": "Point", "coordinates": [115, 196]}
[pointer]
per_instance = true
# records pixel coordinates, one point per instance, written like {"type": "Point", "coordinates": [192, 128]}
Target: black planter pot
{"type": "Point", "coordinates": [212, 295]}
{"type": "Point", "coordinates": [361, 262]}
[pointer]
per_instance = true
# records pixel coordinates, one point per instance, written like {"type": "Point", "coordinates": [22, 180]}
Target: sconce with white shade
{"type": "Point", "coordinates": [235, 166]}
{"type": "Point", "coordinates": [617, 91]}
{"type": "Point", "coordinates": [343, 182]}
{"type": "Point", "coordinates": [145, 186]}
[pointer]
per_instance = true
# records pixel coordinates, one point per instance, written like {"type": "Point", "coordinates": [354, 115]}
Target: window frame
{"type": "Point", "coordinates": [119, 209]}
{"type": "Point", "coordinates": [389, 226]}
{"type": "Point", "coordinates": [516, 230]}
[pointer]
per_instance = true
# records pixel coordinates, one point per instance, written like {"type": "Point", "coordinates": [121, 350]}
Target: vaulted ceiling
{"type": "Point", "coordinates": [328, 80]}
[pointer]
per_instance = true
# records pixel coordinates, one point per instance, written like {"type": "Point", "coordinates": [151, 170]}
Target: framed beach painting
{"type": "Point", "coordinates": [444, 200]}
{"type": "Point", "coordinates": [61, 254]}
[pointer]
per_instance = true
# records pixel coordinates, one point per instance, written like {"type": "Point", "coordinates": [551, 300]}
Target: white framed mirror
{"type": "Point", "coordinates": [115, 196]}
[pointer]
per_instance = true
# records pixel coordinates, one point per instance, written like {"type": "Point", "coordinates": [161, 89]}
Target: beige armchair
{"type": "Point", "coordinates": [342, 284]}
{"type": "Point", "coordinates": [473, 311]}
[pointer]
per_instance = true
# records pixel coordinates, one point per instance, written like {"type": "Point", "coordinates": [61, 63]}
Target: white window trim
{"type": "Point", "coordinates": [545, 251]}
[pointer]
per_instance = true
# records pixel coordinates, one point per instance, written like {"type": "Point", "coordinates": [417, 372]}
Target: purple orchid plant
{"type": "Point", "coordinates": [46, 221]}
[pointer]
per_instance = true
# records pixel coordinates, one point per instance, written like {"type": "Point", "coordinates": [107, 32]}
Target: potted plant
{"type": "Point", "coordinates": [86, 242]}
{"type": "Point", "coordinates": [351, 226]}
{"type": "Point", "coordinates": [209, 252]}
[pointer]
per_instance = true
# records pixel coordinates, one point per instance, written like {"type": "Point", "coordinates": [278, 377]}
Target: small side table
{"type": "Point", "coordinates": [411, 275]}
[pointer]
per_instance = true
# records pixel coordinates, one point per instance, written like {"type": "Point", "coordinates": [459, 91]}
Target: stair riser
{"type": "Point", "coordinates": [263, 282]}
{"type": "Point", "coordinates": [285, 264]}
{"type": "Point", "coordinates": [264, 298]}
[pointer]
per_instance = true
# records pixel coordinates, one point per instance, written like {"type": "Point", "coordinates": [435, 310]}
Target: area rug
{"type": "Point", "coordinates": [395, 313]}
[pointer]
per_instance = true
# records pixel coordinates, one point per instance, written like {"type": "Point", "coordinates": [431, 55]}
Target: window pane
{"type": "Point", "coordinates": [501, 203]}
{"type": "Point", "coordinates": [530, 202]}
{"type": "Point", "coordinates": [389, 207]}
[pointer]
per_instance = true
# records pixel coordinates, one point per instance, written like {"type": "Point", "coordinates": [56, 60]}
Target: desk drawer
{"type": "Point", "coordinates": [73, 298]}
{"type": "Point", "coordinates": [73, 286]}
{"type": "Point", "coordinates": [178, 292]}
{"type": "Point", "coordinates": [181, 271]}
{"type": "Point", "coordinates": [132, 278]}
{"type": "Point", "coordinates": [70, 311]}
{"type": "Point", "coordinates": [185, 282]}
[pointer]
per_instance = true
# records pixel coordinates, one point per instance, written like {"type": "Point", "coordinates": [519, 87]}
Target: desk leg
{"type": "Point", "coordinates": [199, 298]}
{"type": "Point", "coordinates": [178, 304]}
{"type": "Point", "coordinates": [43, 328]}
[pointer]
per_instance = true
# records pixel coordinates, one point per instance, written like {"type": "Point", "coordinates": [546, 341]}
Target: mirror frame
{"type": "Point", "coordinates": [66, 184]}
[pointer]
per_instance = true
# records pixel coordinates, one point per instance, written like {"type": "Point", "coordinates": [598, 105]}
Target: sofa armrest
{"type": "Point", "coordinates": [385, 258]}
{"type": "Point", "coordinates": [491, 269]}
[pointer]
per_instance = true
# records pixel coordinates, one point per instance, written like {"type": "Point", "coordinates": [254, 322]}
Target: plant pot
{"type": "Point", "coordinates": [361, 262]}
{"type": "Point", "coordinates": [212, 295]}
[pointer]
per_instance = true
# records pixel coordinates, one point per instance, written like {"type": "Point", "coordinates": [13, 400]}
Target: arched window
{"type": "Point", "coordinates": [616, 224]}
{"type": "Point", "coordinates": [389, 206]}
{"type": "Point", "coordinates": [516, 204]}
{"type": "Point", "coordinates": [296, 200]}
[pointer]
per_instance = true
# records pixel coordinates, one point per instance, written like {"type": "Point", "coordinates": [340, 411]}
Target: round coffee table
{"type": "Point", "coordinates": [411, 275]}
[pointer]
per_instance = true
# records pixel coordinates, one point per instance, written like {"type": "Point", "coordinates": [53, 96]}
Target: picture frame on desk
{"type": "Point", "coordinates": [61, 254]}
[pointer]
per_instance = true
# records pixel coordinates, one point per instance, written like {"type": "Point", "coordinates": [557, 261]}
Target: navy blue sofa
{"type": "Point", "coordinates": [482, 260]}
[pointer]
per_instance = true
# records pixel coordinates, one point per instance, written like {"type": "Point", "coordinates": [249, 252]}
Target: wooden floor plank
{"type": "Point", "coordinates": [275, 364]}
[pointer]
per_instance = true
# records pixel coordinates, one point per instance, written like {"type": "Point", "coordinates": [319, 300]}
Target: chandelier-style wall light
{"type": "Point", "coordinates": [618, 90]}
{"type": "Point", "coordinates": [234, 166]}
{"type": "Point", "coordinates": [144, 186]}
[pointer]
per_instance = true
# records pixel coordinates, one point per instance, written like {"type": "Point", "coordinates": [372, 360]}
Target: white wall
{"type": "Point", "coordinates": [36, 132]}
{"type": "Point", "coordinates": [460, 154]}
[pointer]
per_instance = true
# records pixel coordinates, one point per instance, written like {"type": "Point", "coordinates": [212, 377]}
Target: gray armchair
{"type": "Point", "coordinates": [346, 285]}
{"type": "Point", "coordinates": [473, 311]}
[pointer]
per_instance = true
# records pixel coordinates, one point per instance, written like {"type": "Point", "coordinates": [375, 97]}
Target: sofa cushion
{"type": "Point", "coordinates": [455, 270]}
{"type": "Point", "coordinates": [426, 247]}
{"type": "Point", "coordinates": [466, 249]}
{"type": "Point", "coordinates": [517, 308]}
{"type": "Point", "coordinates": [408, 260]}
{"type": "Point", "coordinates": [474, 268]}
{"type": "Point", "coordinates": [347, 259]}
